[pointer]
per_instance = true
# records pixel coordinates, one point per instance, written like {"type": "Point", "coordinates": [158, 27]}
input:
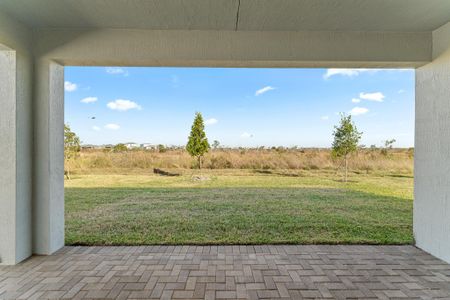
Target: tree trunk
{"type": "Point", "coordinates": [199, 162]}
{"type": "Point", "coordinates": [67, 173]}
{"type": "Point", "coordinates": [346, 168]}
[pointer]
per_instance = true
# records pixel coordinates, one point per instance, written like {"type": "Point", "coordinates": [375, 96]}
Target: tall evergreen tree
{"type": "Point", "coordinates": [198, 144]}
{"type": "Point", "coordinates": [346, 138]}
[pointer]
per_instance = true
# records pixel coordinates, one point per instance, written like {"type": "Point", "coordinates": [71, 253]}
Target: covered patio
{"type": "Point", "coordinates": [38, 38]}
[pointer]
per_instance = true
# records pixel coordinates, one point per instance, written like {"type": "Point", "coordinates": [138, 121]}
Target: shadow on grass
{"type": "Point", "coordinates": [164, 173]}
{"type": "Point", "coordinates": [343, 181]}
{"type": "Point", "coordinates": [211, 216]}
{"type": "Point", "coordinates": [400, 176]}
{"type": "Point", "coordinates": [268, 172]}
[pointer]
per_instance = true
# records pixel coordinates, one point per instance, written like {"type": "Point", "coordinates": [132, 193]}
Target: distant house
{"type": "Point", "coordinates": [89, 146]}
{"type": "Point", "coordinates": [148, 146]}
{"type": "Point", "coordinates": [131, 145]}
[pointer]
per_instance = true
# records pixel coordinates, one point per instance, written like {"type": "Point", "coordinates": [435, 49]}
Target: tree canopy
{"type": "Point", "coordinates": [71, 143]}
{"type": "Point", "coordinates": [71, 147]}
{"type": "Point", "coordinates": [346, 138]}
{"type": "Point", "coordinates": [198, 144]}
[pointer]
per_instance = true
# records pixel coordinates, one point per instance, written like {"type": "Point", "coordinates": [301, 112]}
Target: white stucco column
{"type": "Point", "coordinates": [16, 141]}
{"type": "Point", "coordinates": [8, 220]}
{"type": "Point", "coordinates": [432, 150]}
{"type": "Point", "coordinates": [48, 185]}
{"type": "Point", "coordinates": [15, 159]}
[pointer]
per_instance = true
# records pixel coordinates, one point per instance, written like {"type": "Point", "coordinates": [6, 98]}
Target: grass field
{"type": "Point", "coordinates": [239, 207]}
{"type": "Point", "coordinates": [365, 160]}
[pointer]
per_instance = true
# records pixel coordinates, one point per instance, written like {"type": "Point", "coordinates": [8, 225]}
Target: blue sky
{"type": "Point", "coordinates": [242, 107]}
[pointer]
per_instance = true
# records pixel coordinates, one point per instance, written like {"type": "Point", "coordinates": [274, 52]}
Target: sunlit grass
{"type": "Point", "coordinates": [239, 207]}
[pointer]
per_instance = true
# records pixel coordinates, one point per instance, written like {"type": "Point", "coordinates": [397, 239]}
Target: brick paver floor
{"type": "Point", "coordinates": [229, 272]}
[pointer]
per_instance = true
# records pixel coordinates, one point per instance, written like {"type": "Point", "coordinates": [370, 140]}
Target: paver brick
{"type": "Point", "coordinates": [229, 272]}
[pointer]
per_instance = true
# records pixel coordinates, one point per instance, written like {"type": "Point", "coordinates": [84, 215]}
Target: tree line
{"type": "Point", "coordinates": [345, 142]}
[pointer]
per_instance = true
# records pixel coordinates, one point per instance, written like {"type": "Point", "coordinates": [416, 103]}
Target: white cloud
{"type": "Point", "coordinates": [356, 72]}
{"type": "Point", "coordinates": [378, 96]}
{"type": "Point", "coordinates": [175, 81]}
{"type": "Point", "coordinates": [324, 118]}
{"type": "Point", "coordinates": [401, 91]}
{"type": "Point", "coordinates": [112, 126]}
{"type": "Point", "coordinates": [356, 100]}
{"type": "Point", "coordinates": [347, 72]}
{"type": "Point", "coordinates": [123, 105]}
{"type": "Point", "coordinates": [246, 135]}
{"type": "Point", "coordinates": [70, 86]}
{"type": "Point", "coordinates": [96, 128]}
{"type": "Point", "coordinates": [356, 111]}
{"type": "Point", "coordinates": [264, 90]}
{"type": "Point", "coordinates": [89, 99]}
{"type": "Point", "coordinates": [117, 71]}
{"type": "Point", "coordinates": [211, 121]}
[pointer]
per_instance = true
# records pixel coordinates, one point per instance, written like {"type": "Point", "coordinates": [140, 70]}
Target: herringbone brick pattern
{"type": "Point", "coordinates": [229, 272]}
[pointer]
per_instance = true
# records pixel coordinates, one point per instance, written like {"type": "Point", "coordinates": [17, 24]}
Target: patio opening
{"type": "Point", "coordinates": [293, 156]}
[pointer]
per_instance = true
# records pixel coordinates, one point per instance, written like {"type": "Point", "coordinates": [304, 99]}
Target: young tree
{"type": "Point", "coordinates": [346, 138]}
{"type": "Point", "coordinates": [388, 144]}
{"type": "Point", "coordinates": [71, 148]}
{"type": "Point", "coordinates": [162, 148]}
{"type": "Point", "coordinates": [198, 144]}
{"type": "Point", "coordinates": [120, 148]}
{"type": "Point", "coordinates": [215, 144]}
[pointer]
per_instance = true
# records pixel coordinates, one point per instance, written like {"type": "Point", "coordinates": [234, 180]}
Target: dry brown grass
{"type": "Point", "coordinates": [365, 160]}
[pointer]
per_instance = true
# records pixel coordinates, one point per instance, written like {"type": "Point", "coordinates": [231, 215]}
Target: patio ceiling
{"type": "Point", "coordinates": [245, 15]}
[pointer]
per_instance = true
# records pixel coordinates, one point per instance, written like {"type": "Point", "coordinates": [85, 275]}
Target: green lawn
{"type": "Point", "coordinates": [239, 208]}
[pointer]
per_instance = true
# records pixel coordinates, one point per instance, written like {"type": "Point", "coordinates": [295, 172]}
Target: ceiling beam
{"type": "Point", "coordinates": [233, 48]}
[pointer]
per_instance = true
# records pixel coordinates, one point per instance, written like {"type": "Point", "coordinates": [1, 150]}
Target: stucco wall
{"type": "Point", "coordinates": [16, 145]}
{"type": "Point", "coordinates": [233, 48]}
{"type": "Point", "coordinates": [432, 150]}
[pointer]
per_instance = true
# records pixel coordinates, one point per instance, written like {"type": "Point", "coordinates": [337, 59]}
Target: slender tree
{"type": "Point", "coordinates": [346, 138]}
{"type": "Point", "coordinates": [215, 144]}
{"type": "Point", "coordinates": [388, 144]}
{"type": "Point", "coordinates": [198, 144]}
{"type": "Point", "coordinates": [71, 148]}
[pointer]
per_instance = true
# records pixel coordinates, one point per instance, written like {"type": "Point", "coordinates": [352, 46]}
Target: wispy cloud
{"type": "Point", "coordinates": [401, 91]}
{"type": "Point", "coordinates": [112, 126]}
{"type": "Point", "coordinates": [175, 81]}
{"type": "Point", "coordinates": [347, 72]}
{"type": "Point", "coordinates": [264, 90]}
{"type": "Point", "coordinates": [117, 71]}
{"type": "Point", "coordinates": [355, 71]}
{"type": "Point", "coordinates": [356, 100]}
{"type": "Point", "coordinates": [211, 121]}
{"type": "Point", "coordinates": [70, 86]}
{"type": "Point", "coordinates": [324, 118]}
{"type": "Point", "coordinates": [356, 111]}
{"type": "Point", "coordinates": [246, 135]}
{"type": "Point", "coordinates": [378, 96]}
{"type": "Point", "coordinates": [96, 128]}
{"type": "Point", "coordinates": [89, 100]}
{"type": "Point", "coordinates": [123, 105]}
